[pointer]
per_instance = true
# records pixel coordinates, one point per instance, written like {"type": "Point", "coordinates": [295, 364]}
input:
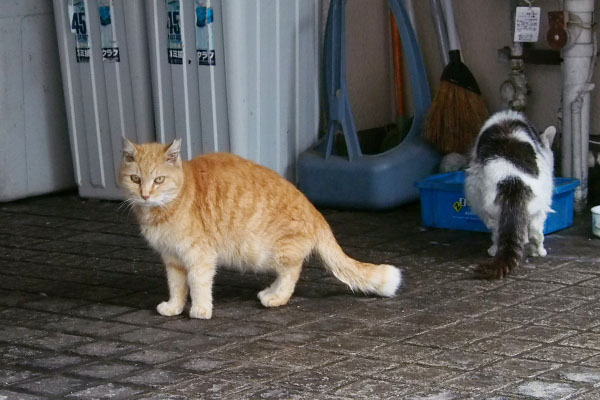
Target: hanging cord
{"type": "Point", "coordinates": [581, 24]}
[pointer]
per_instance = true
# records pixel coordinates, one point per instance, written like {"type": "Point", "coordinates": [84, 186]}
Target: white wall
{"type": "Point", "coordinates": [483, 27]}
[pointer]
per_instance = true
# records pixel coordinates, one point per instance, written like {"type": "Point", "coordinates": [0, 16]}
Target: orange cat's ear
{"type": "Point", "coordinates": [128, 150]}
{"type": "Point", "coordinates": [172, 151]}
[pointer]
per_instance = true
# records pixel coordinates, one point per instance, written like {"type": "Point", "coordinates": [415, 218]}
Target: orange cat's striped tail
{"type": "Point", "coordinates": [382, 279]}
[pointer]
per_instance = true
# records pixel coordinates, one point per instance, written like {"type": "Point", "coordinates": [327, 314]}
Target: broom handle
{"type": "Point", "coordinates": [398, 67]}
{"type": "Point", "coordinates": [450, 25]}
{"type": "Point", "coordinates": [440, 29]}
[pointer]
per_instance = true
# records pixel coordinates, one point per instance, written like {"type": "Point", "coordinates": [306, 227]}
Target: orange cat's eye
{"type": "Point", "coordinates": [159, 180]}
{"type": "Point", "coordinates": [135, 178]}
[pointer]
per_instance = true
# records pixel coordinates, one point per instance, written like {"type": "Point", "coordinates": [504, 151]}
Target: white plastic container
{"type": "Point", "coordinates": [239, 76]}
{"type": "Point", "coordinates": [34, 147]}
{"type": "Point", "coordinates": [272, 69]}
{"type": "Point", "coordinates": [188, 74]}
{"type": "Point", "coordinates": [106, 78]}
{"type": "Point", "coordinates": [596, 220]}
{"type": "Point", "coordinates": [258, 99]}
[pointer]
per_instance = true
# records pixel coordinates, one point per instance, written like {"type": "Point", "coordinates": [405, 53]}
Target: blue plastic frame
{"type": "Point", "coordinates": [364, 181]}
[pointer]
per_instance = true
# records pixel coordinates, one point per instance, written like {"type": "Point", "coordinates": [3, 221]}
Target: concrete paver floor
{"type": "Point", "coordinates": [78, 290]}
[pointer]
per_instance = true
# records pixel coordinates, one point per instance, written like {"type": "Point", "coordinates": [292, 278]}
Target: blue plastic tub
{"type": "Point", "coordinates": [443, 204]}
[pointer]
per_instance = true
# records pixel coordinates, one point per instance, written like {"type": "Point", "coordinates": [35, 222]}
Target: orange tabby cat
{"type": "Point", "coordinates": [220, 209]}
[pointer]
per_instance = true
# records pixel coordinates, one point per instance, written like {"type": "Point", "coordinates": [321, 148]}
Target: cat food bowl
{"type": "Point", "coordinates": [596, 220]}
{"type": "Point", "coordinates": [444, 205]}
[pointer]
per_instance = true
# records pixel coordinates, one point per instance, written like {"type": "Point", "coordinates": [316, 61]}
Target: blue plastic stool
{"type": "Point", "coordinates": [364, 181]}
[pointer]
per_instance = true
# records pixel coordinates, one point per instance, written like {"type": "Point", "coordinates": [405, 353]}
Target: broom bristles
{"type": "Point", "coordinates": [455, 118]}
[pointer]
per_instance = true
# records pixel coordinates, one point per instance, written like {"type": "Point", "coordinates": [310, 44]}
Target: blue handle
{"type": "Point", "coordinates": [338, 104]}
{"type": "Point", "coordinates": [334, 62]}
{"type": "Point", "coordinates": [414, 60]}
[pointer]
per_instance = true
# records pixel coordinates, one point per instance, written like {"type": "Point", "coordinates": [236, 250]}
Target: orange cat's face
{"type": "Point", "coordinates": [151, 174]}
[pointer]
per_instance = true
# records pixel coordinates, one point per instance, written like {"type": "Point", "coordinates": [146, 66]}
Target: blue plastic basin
{"type": "Point", "coordinates": [443, 204]}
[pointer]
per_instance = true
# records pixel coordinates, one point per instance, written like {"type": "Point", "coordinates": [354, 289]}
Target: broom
{"type": "Point", "coordinates": [457, 111]}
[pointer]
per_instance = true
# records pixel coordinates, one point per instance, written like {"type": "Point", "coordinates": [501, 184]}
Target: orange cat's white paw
{"type": "Point", "coordinates": [200, 312]}
{"type": "Point", "coordinates": [270, 299]}
{"type": "Point", "coordinates": [169, 309]}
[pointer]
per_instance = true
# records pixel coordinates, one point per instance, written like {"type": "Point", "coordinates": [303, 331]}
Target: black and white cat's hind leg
{"type": "Point", "coordinates": [494, 247]}
{"type": "Point", "coordinates": [535, 247]}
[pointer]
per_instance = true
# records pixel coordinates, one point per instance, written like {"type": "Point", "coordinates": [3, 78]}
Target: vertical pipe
{"type": "Point", "coordinates": [518, 77]}
{"type": "Point", "coordinates": [580, 129]}
{"type": "Point", "coordinates": [576, 167]}
{"type": "Point", "coordinates": [576, 67]}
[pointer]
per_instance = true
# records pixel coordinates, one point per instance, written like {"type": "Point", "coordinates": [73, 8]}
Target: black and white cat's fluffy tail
{"type": "Point", "coordinates": [509, 185]}
{"type": "Point", "coordinates": [512, 198]}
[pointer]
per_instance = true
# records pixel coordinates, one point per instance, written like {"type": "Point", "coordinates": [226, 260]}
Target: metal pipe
{"type": "Point", "coordinates": [514, 89]}
{"type": "Point", "coordinates": [579, 140]}
{"type": "Point", "coordinates": [576, 166]}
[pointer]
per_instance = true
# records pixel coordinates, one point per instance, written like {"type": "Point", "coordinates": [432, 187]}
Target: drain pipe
{"type": "Point", "coordinates": [580, 137]}
{"type": "Point", "coordinates": [577, 69]}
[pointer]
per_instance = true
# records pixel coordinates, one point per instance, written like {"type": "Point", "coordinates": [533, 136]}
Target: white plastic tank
{"type": "Point", "coordinates": [108, 92]}
{"type": "Point", "coordinates": [188, 74]}
{"type": "Point", "coordinates": [34, 145]}
{"type": "Point", "coordinates": [272, 69]}
{"type": "Point", "coordinates": [237, 75]}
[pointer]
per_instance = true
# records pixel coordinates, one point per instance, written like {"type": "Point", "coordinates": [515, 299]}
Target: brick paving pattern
{"type": "Point", "coordinates": [78, 290]}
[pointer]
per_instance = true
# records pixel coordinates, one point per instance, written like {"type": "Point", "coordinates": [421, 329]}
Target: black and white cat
{"type": "Point", "coordinates": [509, 185]}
